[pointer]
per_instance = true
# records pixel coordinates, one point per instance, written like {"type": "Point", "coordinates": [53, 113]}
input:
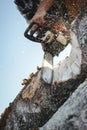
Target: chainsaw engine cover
{"type": "Point", "coordinates": [53, 43]}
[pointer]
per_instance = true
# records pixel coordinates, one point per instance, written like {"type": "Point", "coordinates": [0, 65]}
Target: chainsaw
{"type": "Point", "coordinates": [54, 42]}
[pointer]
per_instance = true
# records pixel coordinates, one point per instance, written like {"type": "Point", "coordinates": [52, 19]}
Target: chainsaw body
{"type": "Point", "coordinates": [42, 33]}
{"type": "Point", "coordinates": [53, 42]}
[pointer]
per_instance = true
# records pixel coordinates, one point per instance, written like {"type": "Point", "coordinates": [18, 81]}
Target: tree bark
{"type": "Point", "coordinates": [72, 115]}
{"type": "Point", "coordinates": [38, 101]}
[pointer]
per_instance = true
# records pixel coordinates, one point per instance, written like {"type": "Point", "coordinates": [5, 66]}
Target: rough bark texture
{"type": "Point", "coordinates": [35, 109]}
{"type": "Point", "coordinates": [73, 113]}
{"type": "Point", "coordinates": [38, 101]}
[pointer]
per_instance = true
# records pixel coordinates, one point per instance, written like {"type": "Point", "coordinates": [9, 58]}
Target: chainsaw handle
{"type": "Point", "coordinates": [32, 32]}
{"type": "Point", "coordinates": [31, 35]}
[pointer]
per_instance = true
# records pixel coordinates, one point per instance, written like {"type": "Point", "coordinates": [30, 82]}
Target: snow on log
{"type": "Point", "coordinates": [71, 66]}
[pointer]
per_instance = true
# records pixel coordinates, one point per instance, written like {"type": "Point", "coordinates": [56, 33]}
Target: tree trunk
{"type": "Point", "coordinates": [72, 115]}
{"type": "Point", "coordinates": [38, 101]}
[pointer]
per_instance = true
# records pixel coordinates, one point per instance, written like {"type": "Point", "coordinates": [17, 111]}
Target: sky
{"type": "Point", "coordinates": [19, 57]}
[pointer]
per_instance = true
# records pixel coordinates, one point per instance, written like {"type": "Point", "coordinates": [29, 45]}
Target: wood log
{"type": "Point", "coordinates": [72, 115]}
{"type": "Point", "coordinates": [37, 102]}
